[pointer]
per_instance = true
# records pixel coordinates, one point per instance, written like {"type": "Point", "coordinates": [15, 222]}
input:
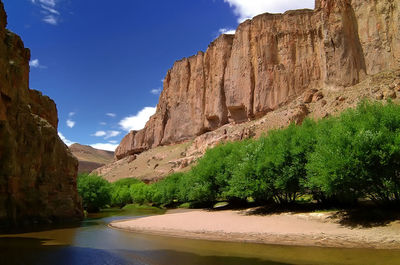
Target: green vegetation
{"type": "Point", "coordinates": [335, 161]}
{"type": "Point", "coordinates": [95, 192]}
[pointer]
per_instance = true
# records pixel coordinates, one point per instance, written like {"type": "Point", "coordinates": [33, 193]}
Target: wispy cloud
{"type": "Point", "coordinates": [35, 63]}
{"type": "Point", "coordinates": [70, 123]}
{"type": "Point", "coordinates": [65, 140]}
{"type": "Point", "coordinates": [105, 146]}
{"type": "Point", "coordinates": [138, 121]}
{"type": "Point", "coordinates": [227, 31]}
{"type": "Point", "coordinates": [71, 114]}
{"type": "Point", "coordinates": [106, 135]}
{"type": "Point", "coordinates": [246, 9]}
{"type": "Point", "coordinates": [103, 123]}
{"type": "Point", "coordinates": [111, 134]}
{"type": "Point", "coordinates": [156, 91]}
{"type": "Point", "coordinates": [99, 134]}
{"type": "Point", "coordinates": [112, 115]}
{"type": "Point", "coordinates": [48, 8]}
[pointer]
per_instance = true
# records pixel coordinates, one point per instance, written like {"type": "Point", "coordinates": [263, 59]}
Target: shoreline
{"type": "Point", "coordinates": [305, 229]}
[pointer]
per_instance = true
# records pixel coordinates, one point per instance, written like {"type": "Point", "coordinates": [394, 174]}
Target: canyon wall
{"type": "Point", "coordinates": [37, 171]}
{"type": "Point", "coordinates": [270, 60]}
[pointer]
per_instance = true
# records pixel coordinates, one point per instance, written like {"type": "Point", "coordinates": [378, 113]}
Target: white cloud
{"type": "Point", "coordinates": [50, 19]}
{"type": "Point", "coordinates": [65, 140]}
{"type": "Point", "coordinates": [113, 142]}
{"type": "Point", "coordinates": [106, 135]}
{"type": "Point", "coordinates": [105, 146]}
{"type": "Point", "coordinates": [138, 121]}
{"type": "Point", "coordinates": [111, 134]}
{"type": "Point", "coordinates": [36, 64]}
{"type": "Point", "coordinates": [70, 123]}
{"type": "Point", "coordinates": [103, 123]}
{"type": "Point", "coordinates": [51, 3]}
{"type": "Point", "coordinates": [99, 134]}
{"type": "Point", "coordinates": [156, 91]}
{"type": "Point", "coordinates": [227, 31]}
{"type": "Point", "coordinates": [112, 115]}
{"type": "Point", "coordinates": [71, 114]}
{"type": "Point", "coordinates": [245, 9]}
{"type": "Point", "coordinates": [48, 9]}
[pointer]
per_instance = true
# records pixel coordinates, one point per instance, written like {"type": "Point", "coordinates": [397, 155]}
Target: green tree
{"type": "Point", "coordinates": [95, 192]}
{"type": "Point", "coordinates": [358, 155]}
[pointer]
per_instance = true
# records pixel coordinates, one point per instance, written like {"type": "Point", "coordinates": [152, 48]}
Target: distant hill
{"type": "Point", "coordinates": [90, 158]}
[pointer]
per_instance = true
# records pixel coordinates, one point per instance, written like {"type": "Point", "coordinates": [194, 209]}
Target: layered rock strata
{"type": "Point", "coordinates": [271, 60]}
{"type": "Point", "coordinates": [37, 171]}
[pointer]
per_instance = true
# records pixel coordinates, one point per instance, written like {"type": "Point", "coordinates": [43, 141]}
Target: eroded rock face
{"type": "Point", "coordinates": [271, 60]}
{"type": "Point", "coordinates": [37, 171]}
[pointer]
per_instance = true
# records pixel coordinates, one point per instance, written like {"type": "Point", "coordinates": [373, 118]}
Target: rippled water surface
{"type": "Point", "coordinates": [93, 242]}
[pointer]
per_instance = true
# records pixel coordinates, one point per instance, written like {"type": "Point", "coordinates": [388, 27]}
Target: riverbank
{"type": "Point", "coordinates": [300, 229]}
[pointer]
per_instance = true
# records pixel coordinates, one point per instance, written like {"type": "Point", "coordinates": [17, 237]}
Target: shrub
{"type": "Point", "coordinates": [166, 191]}
{"type": "Point", "coordinates": [273, 167]}
{"type": "Point", "coordinates": [358, 155]}
{"type": "Point", "coordinates": [140, 193]}
{"type": "Point", "coordinates": [120, 191]}
{"type": "Point", "coordinates": [208, 180]}
{"type": "Point", "coordinates": [95, 192]}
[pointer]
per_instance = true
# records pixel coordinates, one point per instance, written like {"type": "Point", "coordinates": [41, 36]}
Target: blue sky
{"type": "Point", "coordinates": [103, 62]}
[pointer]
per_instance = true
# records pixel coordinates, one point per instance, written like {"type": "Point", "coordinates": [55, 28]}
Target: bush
{"type": "Point", "coordinates": [208, 180]}
{"type": "Point", "coordinates": [166, 192]}
{"type": "Point", "coordinates": [273, 167]}
{"type": "Point", "coordinates": [120, 191]}
{"type": "Point", "coordinates": [339, 160]}
{"type": "Point", "coordinates": [358, 155]}
{"type": "Point", "coordinates": [95, 192]}
{"type": "Point", "coordinates": [140, 193]}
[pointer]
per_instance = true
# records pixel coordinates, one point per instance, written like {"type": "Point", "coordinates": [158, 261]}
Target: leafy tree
{"type": "Point", "coordinates": [358, 155]}
{"type": "Point", "coordinates": [120, 191]}
{"type": "Point", "coordinates": [141, 193]}
{"type": "Point", "coordinates": [95, 192]}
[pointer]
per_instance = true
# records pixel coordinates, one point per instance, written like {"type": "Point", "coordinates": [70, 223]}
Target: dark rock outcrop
{"type": "Point", "coordinates": [271, 60]}
{"type": "Point", "coordinates": [37, 171]}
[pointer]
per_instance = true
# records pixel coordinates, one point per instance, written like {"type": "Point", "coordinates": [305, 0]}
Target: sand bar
{"type": "Point", "coordinates": [304, 229]}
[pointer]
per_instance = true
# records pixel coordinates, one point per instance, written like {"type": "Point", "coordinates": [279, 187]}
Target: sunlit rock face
{"type": "Point", "coordinates": [271, 60]}
{"type": "Point", "coordinates": [37, 171]}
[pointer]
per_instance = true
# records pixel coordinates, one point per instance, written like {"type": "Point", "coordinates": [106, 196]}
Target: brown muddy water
{"type": "Point", "coordinates": [93, 242]}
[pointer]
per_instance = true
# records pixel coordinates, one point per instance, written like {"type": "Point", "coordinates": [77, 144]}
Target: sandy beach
{"type": "Point", "coordinates": [302, 229]}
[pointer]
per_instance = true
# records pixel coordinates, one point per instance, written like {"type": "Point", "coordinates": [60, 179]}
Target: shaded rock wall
{"type": "Point", "coordinates": [270, 60]}
{"type": "Point", "coordinates": [37, 171]}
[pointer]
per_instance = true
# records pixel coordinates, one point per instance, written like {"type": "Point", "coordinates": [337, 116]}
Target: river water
{"type": "Point", "coordinates": [93, 242]}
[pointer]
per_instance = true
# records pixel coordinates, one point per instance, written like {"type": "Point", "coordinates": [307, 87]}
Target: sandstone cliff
{"type": "Point", "coordinates": [271, 60]}
{"type": "Point", "coordinates": [37, 171]}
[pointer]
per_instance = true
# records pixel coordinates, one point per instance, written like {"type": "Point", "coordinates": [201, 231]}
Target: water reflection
{"type": "Point", "coordinates": [95, 243]}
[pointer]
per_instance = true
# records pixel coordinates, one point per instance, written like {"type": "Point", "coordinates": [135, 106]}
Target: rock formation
{"type": "Point", "coordinates": [271, 60]}
{"type": "Point", "coordinates": [37, 171]}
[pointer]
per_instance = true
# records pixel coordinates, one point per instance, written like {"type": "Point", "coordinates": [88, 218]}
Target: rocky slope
{"type": "Point", "coordinates": [158, 162]}
{"type": "Point", "coordinates": [37, 171]}
{"type": "Point", "coordinates": [270, 61]}
{"type": "Point", "coordinates": [90, 158]}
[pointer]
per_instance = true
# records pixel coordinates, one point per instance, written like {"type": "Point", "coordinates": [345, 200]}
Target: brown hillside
{"type": "Point", "coordinates": [158, 162]}
{"type": "Point", "coordinates": [90, 158]}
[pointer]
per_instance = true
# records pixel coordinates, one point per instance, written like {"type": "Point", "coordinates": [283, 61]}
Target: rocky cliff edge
{"type": "Point", "coordinates": [37, 171]}
{"type": "Point", "coordinates": [270, 61]}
